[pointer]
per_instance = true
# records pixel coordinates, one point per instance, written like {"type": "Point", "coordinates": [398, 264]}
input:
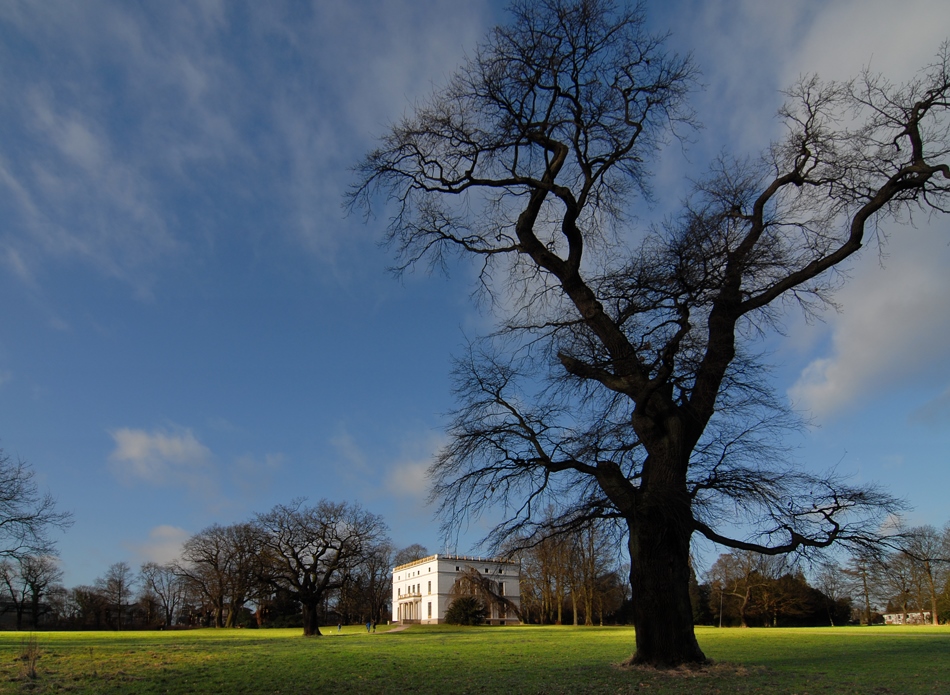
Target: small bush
{"type": "Point", "coordinates": [29, 655]}
{"type": "Point", "coordinates": [465, 610]}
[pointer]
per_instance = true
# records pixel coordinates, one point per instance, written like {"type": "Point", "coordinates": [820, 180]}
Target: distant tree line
{"type": "Point", "coordinates": [572, 577]}
{"type": "Point", "coordinates": [298, 565]}
{"type": "Point", "coordinates": [909, 581]}
{"type": "Point", "coordinates": [306, 565]}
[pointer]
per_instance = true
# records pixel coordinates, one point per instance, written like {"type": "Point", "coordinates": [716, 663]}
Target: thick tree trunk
{"type": "Point", "coordinates": [659, 576]}
{"type": "Point", "coordinates": [35, 610]}
{"type": "Point", "coordinates": [932, 588]}
{"type": "Point", "coordinates": [744, 608]}
{"type": "Point", "coordinates": [234, 611]}
{"type": "Point", "coordinates": [311, 623]}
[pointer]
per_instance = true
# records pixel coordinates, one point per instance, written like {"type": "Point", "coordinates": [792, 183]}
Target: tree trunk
{"type": "Point", "coordinates": [744, 608]}
{"type": "Point", "coordinates": [219, 612]}
{"type": "Point", "coordinates": [932, 588]}
{"type": "Point", "coordinates": [311, 622]}
{"type": "Point", "coordinates": [866, 593]}
{"type": "Point", "coordinates": [234, 609]}
{"type": "Point", "coordinates": [659, 577]}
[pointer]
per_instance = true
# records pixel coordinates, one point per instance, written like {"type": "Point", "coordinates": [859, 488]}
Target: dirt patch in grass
{"type": "Point", "coordinates": [710, 669]}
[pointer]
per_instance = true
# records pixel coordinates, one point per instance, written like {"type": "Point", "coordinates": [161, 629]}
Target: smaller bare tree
{"type": "Point", "coordinates": [39, 573]}
{"type": "Point", "coordinates": [26, 514]}
{"type": "Point", "coordinates": [115, 586]}
{"type": "Point", "coordinates": [929, 557]}
{"type": "Point", "coordinates": [168, 587]}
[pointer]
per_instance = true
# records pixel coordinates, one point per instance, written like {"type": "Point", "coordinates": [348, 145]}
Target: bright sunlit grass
{"type": "Point", "coordinates": [528, 659]}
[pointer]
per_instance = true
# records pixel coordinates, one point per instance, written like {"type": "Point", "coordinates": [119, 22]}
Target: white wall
{"type": "Point", "coordinates": [412, 591]}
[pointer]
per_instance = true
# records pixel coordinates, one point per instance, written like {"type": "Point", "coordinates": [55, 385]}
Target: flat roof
{"type": "Point", "coordinates": [465, 558]}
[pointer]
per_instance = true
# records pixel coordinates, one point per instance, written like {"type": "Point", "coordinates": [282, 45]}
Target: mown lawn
{"type": "Point", "coordinates": [528, 659]}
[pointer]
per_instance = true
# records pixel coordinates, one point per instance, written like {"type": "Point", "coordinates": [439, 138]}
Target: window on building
{"type": "Point", "coordinates": [430, 587]}
{"type": "Point", "coordinates": [398, 592]}
{"type": "Point", "coordinates": [430, 609]}
{"type": "Point", "coordinates": [501, 588]}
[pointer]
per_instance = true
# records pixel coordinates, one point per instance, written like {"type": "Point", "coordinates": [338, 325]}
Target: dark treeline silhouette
{"type": "Point", "coordinates": [298, 565]}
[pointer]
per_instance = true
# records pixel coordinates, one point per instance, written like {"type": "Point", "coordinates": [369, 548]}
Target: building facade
{"type": "Point", "coordinates": [909, 618]}
{"type": "Point", "coordinates": [424, 589]}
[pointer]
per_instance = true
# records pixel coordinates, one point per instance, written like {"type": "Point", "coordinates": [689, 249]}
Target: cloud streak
{"type": "Point", "coordinates": [172, 114]}
{"type": "Point", "coordinates": [893, 328]}
{"type": "Point", "coordinates": [163, 545]}
{"type": "Point", "coordinates": [162, 458]}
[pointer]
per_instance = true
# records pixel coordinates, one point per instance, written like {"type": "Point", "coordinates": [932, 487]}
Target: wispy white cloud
{"type": "Point", "coordinates": [354, 458]}
{"type": "Point", "coordinates": [935, 412]}
{"type": "Point", "coordinates": [893, 328]}
{"type": "Point", "coordinates": [163, 545]}
{"type": "Point", "coordinates": [253, 475]}
{"type": "Point", "coordinates": [844, 36]}
{"type": "Point", "coordinates": [399, 473]}
{"type": "Point", "coordinates": [171, 110]}
{"type": "Point", "coordinates": [162, 457]}
{"type": "Point", "coordinates": [407, 477]}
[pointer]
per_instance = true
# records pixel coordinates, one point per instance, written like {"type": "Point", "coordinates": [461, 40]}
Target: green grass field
{"type": "Point", "coordinates": [528, 659]}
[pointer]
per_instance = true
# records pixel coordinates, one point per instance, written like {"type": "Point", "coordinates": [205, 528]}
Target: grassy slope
{"type": "Point", "coordinates": [478, 660]}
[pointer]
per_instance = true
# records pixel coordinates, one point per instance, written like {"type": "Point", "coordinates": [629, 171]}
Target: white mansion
{"type": "Point", "coordinates": [424, 589]}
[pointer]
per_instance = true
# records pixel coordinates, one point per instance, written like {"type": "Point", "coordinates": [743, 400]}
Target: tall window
{"type": "Point", "coordinates": [430, 589]}
{"type": "Point", "coordinates": [430, 609]}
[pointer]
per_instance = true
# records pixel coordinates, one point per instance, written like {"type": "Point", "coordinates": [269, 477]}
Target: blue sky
{"type": "Point", "coordinates": [193, 330]}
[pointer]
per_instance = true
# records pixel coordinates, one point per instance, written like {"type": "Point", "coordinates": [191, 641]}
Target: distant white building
{"type": "Point", "coordinates": [912, 618]}
{"type": "Point", "coordinates": [423, 589]}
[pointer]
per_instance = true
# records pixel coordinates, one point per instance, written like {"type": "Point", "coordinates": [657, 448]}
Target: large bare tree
{"type": "Point", "coordinates": [624, 380]}
{"type": "Point", "coordinates": [312, 549]}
